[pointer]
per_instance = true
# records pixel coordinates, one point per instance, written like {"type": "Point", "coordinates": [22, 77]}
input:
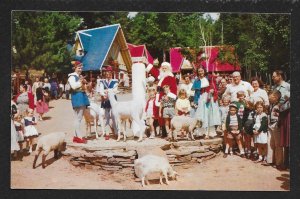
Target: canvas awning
{"type": "Point", "coordinates": [139, 53]}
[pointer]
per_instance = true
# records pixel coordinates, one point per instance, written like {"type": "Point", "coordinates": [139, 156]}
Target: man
{"type": "Point", "coordinates": [34, 87]}
{"type": "Point", "coordinates": [79, 99]}
{"type": "Point", "coordinates": [165, 77]}
{"type": "Point", "coordinates": [236, 86]}
{"type": "Point", "coordinates": [108, 84]}
{"type": "Point", "coordinates": [222, 87]}
{"type": "Point", "coordinates": [284, 112]}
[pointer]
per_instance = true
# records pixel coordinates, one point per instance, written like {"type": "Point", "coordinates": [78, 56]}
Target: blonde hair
{"type": "Point", "coordinates": [182, 92]}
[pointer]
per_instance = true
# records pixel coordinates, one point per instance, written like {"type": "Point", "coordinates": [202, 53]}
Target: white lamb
{"type": "Point", "coordinates": [184, 123]}
{"type": "Point", "coordinates": [47, 143]}
{"type": "Point", "coordinates": [93, 114]}
{"type": "Point", "coordinates": [152, 163]}
{"type": "Point", "coordinates": [132, 110]}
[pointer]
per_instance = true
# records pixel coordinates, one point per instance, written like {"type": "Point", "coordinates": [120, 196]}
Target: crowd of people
{"type": "Point", "coordinates": [253, 118]}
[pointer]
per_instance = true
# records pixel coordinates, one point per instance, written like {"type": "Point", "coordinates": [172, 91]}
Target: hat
{"type": "Point", "coordinates": [76, 63]}
{"type": "Point", "coordinates": [167, 64]}
{"type": "Point", "coordinates": [233, 105]}
{"type": "Point", "coordinates": [108, 68]}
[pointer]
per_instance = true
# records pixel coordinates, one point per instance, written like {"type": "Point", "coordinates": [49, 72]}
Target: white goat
{"type": "Point", "coordinates": [134, 109]}
{"type": "Point", "coordinates": [93, 114]}
{"type": "Point", "coordinates": [184, 123]}
{"type": "Point", "coordinates": [152, 163]}
{"type": "Point", "coordinates": [47, 143]}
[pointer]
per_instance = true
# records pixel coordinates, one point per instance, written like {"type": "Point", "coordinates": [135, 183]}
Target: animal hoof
{"type": "Point", "coordinates": [140, 140]}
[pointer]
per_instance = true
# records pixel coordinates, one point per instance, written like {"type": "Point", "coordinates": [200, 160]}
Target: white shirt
{"type": "Point", "coordinates": [187, 88]}
{"type": "Point", "coordinates": [260, 95]}
{"type": "Point", "coordinates": [102, 89]}
{"type": "Point", "coordinates": [232, 90]}
{"type": "Point", "coordinates": [72, 81]}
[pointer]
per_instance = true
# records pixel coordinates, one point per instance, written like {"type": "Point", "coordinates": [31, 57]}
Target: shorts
{"type": "Point", "coordinates": [231, 135]}
{"type": "Point", "coordinates": [168, 112]}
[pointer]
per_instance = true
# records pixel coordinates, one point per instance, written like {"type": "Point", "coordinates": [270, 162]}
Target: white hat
{"type": "Point", "coordinates": [167, 64]}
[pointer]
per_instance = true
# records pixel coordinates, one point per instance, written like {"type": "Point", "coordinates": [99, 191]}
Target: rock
{"type": "Point", "coordinates": [112, 160]}
{"type": "Point", "coordinates": [209, 157]}
{"type": "Point", "coordinates": [181, 151]}
{"type": "Point", "coordinates": [75, 163]}
{"type": "Point", "coordinates": [142, 151]}
{"type": "Point", "coordinates": [201, 155]}
{"type": "Point", "coordinates": [186, 143]}
{"type": "Point", "coordinates": [185, 158]}
{"type": "Point", "coordinates": [128, 165]}
{"type": "Point", "coordinates": [213, 141]}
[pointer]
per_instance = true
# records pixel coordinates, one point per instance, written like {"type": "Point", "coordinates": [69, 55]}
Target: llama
{"type": "Point", "coordinates": [134, 109]}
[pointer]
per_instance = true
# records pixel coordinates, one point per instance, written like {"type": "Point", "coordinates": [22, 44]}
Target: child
{"type": "Point", "coordinates": [29, 130]}
{"type": "Point", "coordinates": [260, 131]}
{"type": "Point", "coordinates": [151, 111]}
{"type": "Point", "coordinates": [275, 151]}
{"type": "Point", "coordinates": [20, 130]}
{"type": "Point", "coordinates": [233, 128]}
{"type": "Point", "coordinates": [167, 104]}
{"type": "Point", "coordinates": [183, 105]}
{"type": "Point", "coordinates": [241, 103]}
{"type": "Point", "coordinates": [248, 123]}
{"type": "Point", "coordinates": [224, 109]}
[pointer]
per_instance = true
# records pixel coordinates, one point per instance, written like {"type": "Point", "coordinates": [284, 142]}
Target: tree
{"type": "Point", "coordinates": [39, 40]}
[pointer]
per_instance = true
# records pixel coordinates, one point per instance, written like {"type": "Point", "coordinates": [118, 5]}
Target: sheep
{"type": "Point", "coordinates": [93, 114]}
{"type": "Point", "coordinates": [152, 163]}
{"type": "Point", "coordinates": [179, 123]}
{"type": "Point", "coordinates": [47, 143]}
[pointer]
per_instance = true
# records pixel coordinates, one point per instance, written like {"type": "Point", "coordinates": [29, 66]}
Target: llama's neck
{"type": "Point", "coordinates": [112, 99]}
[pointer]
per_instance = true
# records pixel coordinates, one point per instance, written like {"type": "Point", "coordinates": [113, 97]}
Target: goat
{"type": "Point", "coordinates": [179, 123]}
{"type": "Point", "coordinates": [93, 114]}
{"type": "Point", "coordinates": [152, 163]}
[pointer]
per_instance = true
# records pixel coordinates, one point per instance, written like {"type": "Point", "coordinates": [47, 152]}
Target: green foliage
{"type": "Point", "coordinates": [40, 40]}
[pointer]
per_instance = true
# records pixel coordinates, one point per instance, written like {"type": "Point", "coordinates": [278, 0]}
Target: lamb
{"type": "Point", "coordinates": [152, 163]}
{"type": "Point", "coordinates": [183, 123]}
{"type": "Point", "coordinates": [93, 114]}
{"type": "Point", "coordinates": [47, 143]}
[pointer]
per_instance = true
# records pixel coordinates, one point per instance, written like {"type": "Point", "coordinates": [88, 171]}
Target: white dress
{"type": "Point", "coordinates": [14, 146]}
{"type": "Point", "coordinates": [207, 113]}
{"type": "Point", "coordinates": [261, 138]}
{"type": "Point", "coordinates": [29, 129]}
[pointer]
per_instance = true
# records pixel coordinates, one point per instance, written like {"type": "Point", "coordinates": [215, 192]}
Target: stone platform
{"type": "Point", "coordinates": [114, 156]}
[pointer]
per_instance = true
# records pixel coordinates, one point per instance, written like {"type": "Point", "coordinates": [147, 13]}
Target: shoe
{"type": "Point", "coordinates": [225, 155]}
{"type": "Point", "coordinates": [79, 140]}
{"type": "Point", "coordinates": [265, 163]}
{"type": "Point", "coordinates": [242, 155]}
{"type": "Point", "coordinates": [258, 161]}
{"type": "Point", "coordinates": [151, 137]}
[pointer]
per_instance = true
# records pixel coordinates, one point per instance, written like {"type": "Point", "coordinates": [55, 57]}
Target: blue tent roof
{"type": "Point", "coordinates": [96, 44]}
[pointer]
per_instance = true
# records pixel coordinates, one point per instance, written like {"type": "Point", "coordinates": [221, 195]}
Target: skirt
{"type": "Point", "coordinates": [42, 107]}
{"type": "Point", "coordinates": [30, 131]}
{"type": "Point", "coordinates": [261, 138]}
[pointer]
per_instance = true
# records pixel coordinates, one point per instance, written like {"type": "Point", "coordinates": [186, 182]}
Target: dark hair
{"type": "Point", "coordinates": [203, 69]}
{"type": "Point", "coordinates": [260, 82]}
{"type": "Point", "coordinates": [275, 92]}
{"type": "Point", "coordinates": [280, 73]}
{"type": "Point", "coordinates": [24, 86]}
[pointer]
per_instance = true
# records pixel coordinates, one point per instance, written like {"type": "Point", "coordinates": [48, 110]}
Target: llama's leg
{"type": "Point", "coordinates": [102, 125]}
{"type": "Point", "coordinates": [96, 128]}
{"type": "Point", "coordinates": [119, 128]}
{"type": "Point", "coordinates": [124, 131]}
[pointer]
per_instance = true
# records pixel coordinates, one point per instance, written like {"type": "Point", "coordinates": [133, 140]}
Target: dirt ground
{"type": "Point", "coordinates": [232, 173]}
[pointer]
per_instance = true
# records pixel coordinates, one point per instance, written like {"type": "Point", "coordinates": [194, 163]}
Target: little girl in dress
{"type": "Point", "coordinates": [30, 131]}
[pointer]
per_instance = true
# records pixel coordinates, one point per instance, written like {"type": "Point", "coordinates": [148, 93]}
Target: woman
{"type": "Point", "coordinates": [41, 105]}
{"type": "Point", "coordinates": [208, 109]}
{"type": "Point", "coordinates": [24, 100]}
{"type": "Point", "coordinates": [258, 93]}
